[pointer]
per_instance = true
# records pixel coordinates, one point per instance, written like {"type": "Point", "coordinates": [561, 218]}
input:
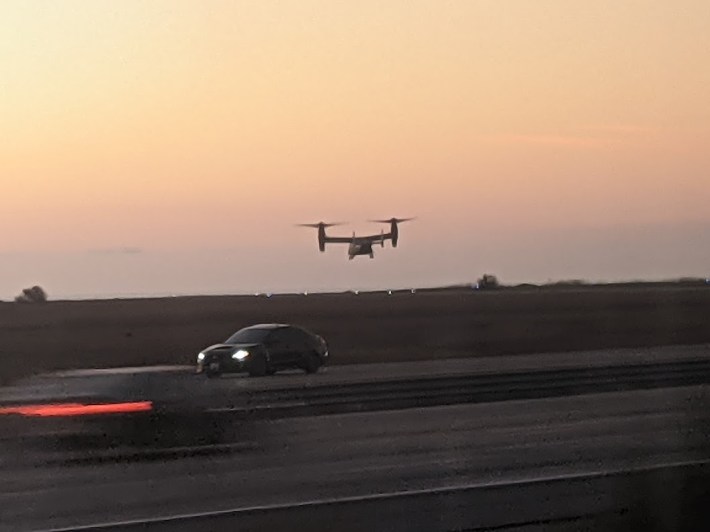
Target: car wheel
{"type": "Point", "coordinates": [311, 363]}
{"type": "Point", "coordinates": [258, 366]}
{"type": "Point", "coordinates": [213, 372]}
{"type": "Point", "coordinates": [270, 371]}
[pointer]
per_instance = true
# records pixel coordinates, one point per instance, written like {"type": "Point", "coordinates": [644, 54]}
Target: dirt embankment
{"type": "Point", "coordinates": [359, 328]}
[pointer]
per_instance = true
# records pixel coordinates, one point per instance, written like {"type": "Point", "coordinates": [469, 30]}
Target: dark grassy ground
{"type": "Point", "coordinates": [359, 328]}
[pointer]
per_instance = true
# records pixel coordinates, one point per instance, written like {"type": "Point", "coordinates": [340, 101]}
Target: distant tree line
{"type": "Point", "coordinates": [488, 282]}
{"type": "Point", "coordinates": [35, 294]}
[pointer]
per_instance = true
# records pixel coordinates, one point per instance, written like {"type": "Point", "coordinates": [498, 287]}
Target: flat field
{"type": "Point", "coordinates": [369, 327]}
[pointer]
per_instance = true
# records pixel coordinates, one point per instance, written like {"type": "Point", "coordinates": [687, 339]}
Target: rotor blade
{"type": "Point", "coordinates": [396, 220]}
{"type": "Point", "coordinates": [320, 224]}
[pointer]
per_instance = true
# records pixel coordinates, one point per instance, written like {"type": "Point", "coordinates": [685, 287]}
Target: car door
{"type": "Point", "coordinates": [301, 344]}
{"type": "Point", "coordinates": [279, 348]}
{"type": "Point", "coordinates": [294, 342]}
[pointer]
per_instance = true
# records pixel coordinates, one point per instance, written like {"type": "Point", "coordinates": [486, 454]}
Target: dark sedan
{"type": "Point", "coordinates": [263, 350]}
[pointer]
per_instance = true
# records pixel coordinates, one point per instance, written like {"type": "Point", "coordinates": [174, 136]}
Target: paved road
{"type": "Point", "coordinates": [465, 366]}
{"type": "Point", "coordinates": [182, 382]}
{"type": "Point", "coordinates": [327, 457]}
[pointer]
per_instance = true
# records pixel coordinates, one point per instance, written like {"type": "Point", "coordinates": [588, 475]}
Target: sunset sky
{"type": "Point", "coordinates": [169, 146]}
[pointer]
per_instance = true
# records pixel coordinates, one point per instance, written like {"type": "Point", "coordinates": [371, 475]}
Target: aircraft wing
{"type": "Point", "coordinates": [338, 239]}
{"type": "Point", "coordinates": [349, 239]}
{"type": "Point", "coordinates": [374, 238]}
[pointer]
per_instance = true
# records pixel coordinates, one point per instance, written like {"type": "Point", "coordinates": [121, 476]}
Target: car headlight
{"type": "Point", "coordinates": [200, 357]}
{"type": "Point", "coordinates": [241, 354]}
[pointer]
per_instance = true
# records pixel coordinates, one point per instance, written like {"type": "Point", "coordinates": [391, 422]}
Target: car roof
{"type": "Point", "coordinates": [269, 326]}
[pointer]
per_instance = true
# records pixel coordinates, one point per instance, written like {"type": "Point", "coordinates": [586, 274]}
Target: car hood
{"type": "Point", "coordinates": [228, 347]}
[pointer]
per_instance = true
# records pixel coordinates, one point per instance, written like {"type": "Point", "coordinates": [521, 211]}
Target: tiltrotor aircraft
{"type": "Point", "coordinates": [359, 245]}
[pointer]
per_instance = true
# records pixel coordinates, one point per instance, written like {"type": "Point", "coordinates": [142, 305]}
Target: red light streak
{"type": "Point", "coordinates": [77, 409]}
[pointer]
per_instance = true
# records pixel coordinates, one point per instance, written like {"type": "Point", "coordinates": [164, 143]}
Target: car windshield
{"type": "Point", "coordinates": [248, 336]}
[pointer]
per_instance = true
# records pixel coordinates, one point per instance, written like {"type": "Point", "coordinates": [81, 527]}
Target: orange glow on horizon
{"type": "Point", "coordinates": [175, 126]}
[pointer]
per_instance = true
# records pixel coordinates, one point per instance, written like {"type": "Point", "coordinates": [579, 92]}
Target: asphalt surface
{"type": "Point", "coordinates": [212, 391]}
{"type": "Point", "coordinates": [355, 373]}
{"type": "Point", "coordinates": [330, 457]}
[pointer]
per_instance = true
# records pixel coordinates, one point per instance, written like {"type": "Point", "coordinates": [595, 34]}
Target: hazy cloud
{"type": "Point", "coordinates": [573, 141]}
{"type": "Point", "coordinates": [127, 250]}
{"type": "Point", "coordinates": [627, 129]}
{"type": "Point", "coordinates": [595, 136]}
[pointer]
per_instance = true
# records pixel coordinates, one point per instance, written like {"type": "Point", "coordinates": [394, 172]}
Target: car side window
{"type": "Point", "coordinates": [300, 337]}
{"type": "Point", "coordinates": [277, 337]}
{"type": "Point", "coordinates": [292, 337]}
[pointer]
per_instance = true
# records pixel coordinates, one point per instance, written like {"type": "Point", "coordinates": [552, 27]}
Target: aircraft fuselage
{"type": "Point", "coordinates": [360, 248]}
